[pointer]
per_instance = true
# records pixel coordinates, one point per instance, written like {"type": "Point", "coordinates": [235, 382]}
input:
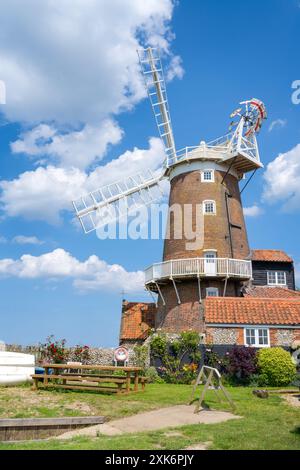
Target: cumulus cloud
{"type": "Point", "coordinates": [70, 68]}
{"type": "Point", "coordinates": [277, 124]}
{"type": "Point", "coordinates": [282, 180]}
{"type": "Point", "coordinates": [73, 149]}
{"type": "Point", "coordinates": [75, 61]}
{"type": "Point", "coordinates": [253, 211]}
{"type": "Point", "coordinates": [91, 274]}
{"type": "Point", "coordinates": [175, 68]}
{"type": "Point", "coordinates": [45, 193]}
{"type": "Point", "coordinates": [24, 240]}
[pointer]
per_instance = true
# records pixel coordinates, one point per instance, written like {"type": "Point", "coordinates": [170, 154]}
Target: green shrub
{"type": "Point", "coordinates": [153, 375]}
{"type": "Point", "coordinates": [276, 367]}
{"type": "Point", "coordinates": [141, 354]}
{"type": "Point", "coordinates": [179, 357]}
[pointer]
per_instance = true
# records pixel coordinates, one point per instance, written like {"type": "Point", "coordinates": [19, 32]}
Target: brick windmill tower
{"type": "Point", "coordinates": [204, 194]}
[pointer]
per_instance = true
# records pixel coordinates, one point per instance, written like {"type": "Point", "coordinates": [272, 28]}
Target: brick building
{"type": "Point", "coordinates": [261, 315]}
{"type": "Point", "coordinates": [252, 321]}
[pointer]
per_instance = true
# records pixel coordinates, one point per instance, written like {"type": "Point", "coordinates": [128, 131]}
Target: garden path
{"type": "Point", "coordinates": [174, 416]}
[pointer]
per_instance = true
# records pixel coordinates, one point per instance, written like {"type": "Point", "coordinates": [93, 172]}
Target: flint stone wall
{"type": "Point", "coordinates": [100, 356]}
{"type": "Point", "coordinates": [284, 337]}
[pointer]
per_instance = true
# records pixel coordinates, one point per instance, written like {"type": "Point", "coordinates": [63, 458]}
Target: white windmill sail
{"type": "Point", "coordinates": [114, 201]}
{"type": "Point", "coordinates": [156, 87]}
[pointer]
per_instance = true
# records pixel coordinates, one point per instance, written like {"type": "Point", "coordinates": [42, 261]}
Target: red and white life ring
{"type": "Point", "coordinates": [121, 354]}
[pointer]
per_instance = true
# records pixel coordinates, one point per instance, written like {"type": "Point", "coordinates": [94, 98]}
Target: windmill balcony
{"type": "Point", "coordinates": [198, 268]}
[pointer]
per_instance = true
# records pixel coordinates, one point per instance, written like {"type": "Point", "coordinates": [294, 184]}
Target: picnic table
{"type": "Point", "coordinates": [90, 377]}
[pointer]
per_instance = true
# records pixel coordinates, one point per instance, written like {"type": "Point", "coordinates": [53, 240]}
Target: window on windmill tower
{"type": "Point", "coordinates": [207, 176]}
{"type": "Point", "coordinates": [209, 207]}
{"type": "Point", "coordinates": [276, 278]}
{"type": "Point", "coordinates": [212, 292]}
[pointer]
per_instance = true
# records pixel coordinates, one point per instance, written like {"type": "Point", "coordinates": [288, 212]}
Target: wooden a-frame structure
{"type": "Point", "coordinates": [211, 378]}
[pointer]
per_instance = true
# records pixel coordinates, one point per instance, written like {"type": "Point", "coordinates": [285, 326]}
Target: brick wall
{"type": "Point", "coordinates": [278, 336]}
{"type": "Point", "coordinates": [189, 313]}
{"type": "Point", "coordinates": [188, 189]}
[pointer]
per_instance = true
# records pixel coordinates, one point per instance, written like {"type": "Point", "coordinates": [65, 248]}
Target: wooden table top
{"type": "Point", "coordinates": [92, 367]}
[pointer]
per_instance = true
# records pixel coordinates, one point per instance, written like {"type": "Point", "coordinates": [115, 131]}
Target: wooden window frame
{"type": "Point", "coordinates": [208, 170]}
{"type": "Point", "coordinates": [276, 283]}
{"type": "Point", "coordinates": [256, 336]}
{"type": "Point", "coordinates": [209, 201]}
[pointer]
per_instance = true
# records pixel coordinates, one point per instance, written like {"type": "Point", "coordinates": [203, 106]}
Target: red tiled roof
{"type": "Point", "coordinates": [137, 320]}
{"type": "Point", "coordinates": [270, 255]}
{"type": "Point", "coordinates": [253, 311]}
{"type": "Point", "coordinates": [271, 292]}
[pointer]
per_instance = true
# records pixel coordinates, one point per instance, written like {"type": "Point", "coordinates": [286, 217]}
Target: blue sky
{"type": "Point", "coordinates": [75, 103]}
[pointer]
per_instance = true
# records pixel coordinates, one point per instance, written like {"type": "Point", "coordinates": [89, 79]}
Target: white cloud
{"type": "Point", "coordinates": [3, 239]}
{"type": "Point", "coordinates": [70, 67]}
{"type": "Point", "coordinates": [43, 194]}
{"type": "Point", "coordinates": [91, 274]}
{"type": "Point", "coordinates": [282, 180]}
{"type": "Point", "coordinates": [75, 61]}
{"type": "Point", "coordinates": [277, 124]}
{"type": "Point", "coordinates": [175, 68]}
{"type": "Point", "coordinates": [74, 149]}
{"type": "Point", "coordinates": [24, 240]}
{"type": "Point", "coordinates": [253, 211]}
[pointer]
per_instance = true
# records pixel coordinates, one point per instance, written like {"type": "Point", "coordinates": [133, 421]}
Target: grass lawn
{"type": "Point", "coordinates": [266, 423]}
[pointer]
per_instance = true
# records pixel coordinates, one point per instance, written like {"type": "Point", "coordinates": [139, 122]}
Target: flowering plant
{"type": "Point", "coordinates": [53, 350]}
{"type": "Point", "coordinates": [178, 359]}
{"type": "Point", "coordinates": [81, 353]}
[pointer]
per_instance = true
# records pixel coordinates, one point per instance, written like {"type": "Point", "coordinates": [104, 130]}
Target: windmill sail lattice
{"type": "Point", "coordinates": [114, 201]}
{"type": "Point", "coordinates": [156, 87]}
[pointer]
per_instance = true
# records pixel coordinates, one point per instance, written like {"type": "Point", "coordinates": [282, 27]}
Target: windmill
{"type": "Point", "coordinates": [207, 175]}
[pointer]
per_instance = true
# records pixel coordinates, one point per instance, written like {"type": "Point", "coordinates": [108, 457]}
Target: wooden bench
{"type": "Point", "coordinates": [90, 378]}
{"type": "Point", "coordinates": [84, 379]}
{"type": "Point", "coordinates": [142, 380]}
{"type": "Point", "coordinates": [79, 382]}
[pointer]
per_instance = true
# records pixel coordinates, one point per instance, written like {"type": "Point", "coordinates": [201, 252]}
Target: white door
{"type": "Point", "coordinates": [210, 263]}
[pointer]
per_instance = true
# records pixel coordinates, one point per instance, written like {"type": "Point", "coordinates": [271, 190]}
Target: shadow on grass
{"type": "Point", "coordinates": [296, 430]}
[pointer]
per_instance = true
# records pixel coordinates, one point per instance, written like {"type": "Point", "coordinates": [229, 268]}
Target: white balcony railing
{"type": "Point", "coordinates": [222, 149]}
{"type": "Point", "coordinates": [199, 267]}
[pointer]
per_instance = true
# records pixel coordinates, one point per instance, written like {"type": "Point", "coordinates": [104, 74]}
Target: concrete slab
{"type": "Point", "coordinates": [174, 416]}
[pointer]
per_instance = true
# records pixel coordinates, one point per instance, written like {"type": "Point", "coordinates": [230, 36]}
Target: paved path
{"type": "Point", "coordinates": [174, 416]}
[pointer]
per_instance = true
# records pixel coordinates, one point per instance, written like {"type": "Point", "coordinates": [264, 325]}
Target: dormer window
{"type": "Point", "coordinates": [207, 176]}
{"type": "Point", "coordinates": [212, 292]}
{"type": "Point", "coordinates": [276, 278]}
{"type": "Point", "coordinates": [209, 207]}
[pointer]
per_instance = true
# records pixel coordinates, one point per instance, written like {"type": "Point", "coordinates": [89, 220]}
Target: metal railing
{"type": "Point", "coordinates": [199, 267]}
{"type": "Point", "coordinates": [223, 148]}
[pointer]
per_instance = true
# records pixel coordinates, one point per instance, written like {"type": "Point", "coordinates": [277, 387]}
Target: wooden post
{"type": "Point", "coordinates": [204, 392]}
{"type": "Point", "coordinates": [35, 384]}
{"type": "Point", "coordinates": [45, 376]}
{"type": "Point", "coordinates": [136, 381]}
{"type": "Point", "coordinates": [128, 382]}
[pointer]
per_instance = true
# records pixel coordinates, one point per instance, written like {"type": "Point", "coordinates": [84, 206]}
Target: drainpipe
{"type": "Point", "coordinates": [227, 196]}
